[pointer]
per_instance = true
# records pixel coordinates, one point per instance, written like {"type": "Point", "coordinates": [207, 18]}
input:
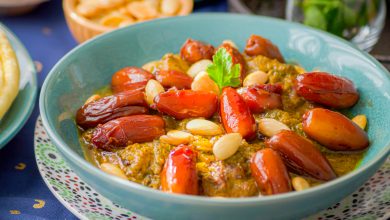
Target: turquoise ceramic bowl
{"type": "Point", "coordinates": [24, 103]}
{"type": "Point", "coordinates": [90, 66]}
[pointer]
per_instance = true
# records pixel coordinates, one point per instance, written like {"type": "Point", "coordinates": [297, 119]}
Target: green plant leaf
{"type": "Point", "coordinates": [222, 71]}
{"type": "Point", "coordinates": [338, 17]}
{"type": "Point", "coordinates": [314, 17]}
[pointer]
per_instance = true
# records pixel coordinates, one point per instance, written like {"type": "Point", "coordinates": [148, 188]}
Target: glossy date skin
{"type": "Point", "coordinates": [327, 89]}
{"type": "Point", "coordinates": [130, 78]}
{"type": "Point", "coordinates": [259, 100]}
{"type": "Point", "coordinates": [182, 104]}
{"type": "Point", "coordinates": [257, 45]}
{"type": "Point", "coordinates": [173, 78]}
{"type": "Point", "coordinates": [235, 114]}
{"type": "Point", "coordinates": [193, 51]}
{"type": "Point", "coordinates": [237, 58]}
{"type": "Point", "coordinates": [111, 107]}
{"type": "Point", "coordinates": [120, 132]}
{"type": "Point", "coordinates": [274, 88]}
{"type": "Point", "coordinates": [270, 173]}
{"type": "Point", "coordinates": [334, 130]}
{"type": "Point", "coordinates": [301, 156]}
{"type": "Point", "coordinates": [179, 172]}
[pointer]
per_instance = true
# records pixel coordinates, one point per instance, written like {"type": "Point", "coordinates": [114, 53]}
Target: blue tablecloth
{"type": "Point", "coordinates": [47, 38]}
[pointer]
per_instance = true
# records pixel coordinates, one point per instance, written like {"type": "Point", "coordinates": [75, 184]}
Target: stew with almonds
{"type": "Point", "coordinates": [205, 133]}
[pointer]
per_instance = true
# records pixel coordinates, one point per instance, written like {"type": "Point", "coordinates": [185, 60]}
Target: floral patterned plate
{"type": "Point", "coordinates": [371, 201]}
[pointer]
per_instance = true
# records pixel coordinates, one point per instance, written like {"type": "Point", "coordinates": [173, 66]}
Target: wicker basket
{"type": "Point", "coordinates": [83, 29]}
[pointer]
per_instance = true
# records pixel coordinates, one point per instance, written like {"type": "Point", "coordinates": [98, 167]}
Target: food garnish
{"type": "Point", "coordinates": [222, 71]}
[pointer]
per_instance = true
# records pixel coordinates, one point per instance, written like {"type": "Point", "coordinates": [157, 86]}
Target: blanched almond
{"type": "Point", "coordinates": [92, 98]}
{"type": "Point", "coordinates": [202, 82]}
{"type": "Point", "coordinates": [360, 120]}
{"type": "Point", "coordinates": [170, 7]}
{"type": "Point", "coordinates": [198, 67]}
{"type": "Point", "coordinates": [256, 78]}
{"type": "Point", "coordinates": [176, 137]}
{"type": "Point", "coordinates": [113, 170]}
{"type": "Point", "coordinates": [227, 145]}
{"type": "Point", "coordinates": [270, 127]}
{"type": "Point", "coordinates": [152, 89]}
{"type": "Point", "coordinates": [152, 66]}
{"type": "Point", "coordinates": [180, 135]}
{"type": "Point", "coordinates": [203, 127]}
{"type": "Point", "coordinates": [300, 183]}
{"type": "Point", "coordinates": [169, 140]}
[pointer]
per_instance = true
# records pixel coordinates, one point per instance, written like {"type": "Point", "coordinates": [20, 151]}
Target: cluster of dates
{"type": "Point", "coordinates": [122, 118]}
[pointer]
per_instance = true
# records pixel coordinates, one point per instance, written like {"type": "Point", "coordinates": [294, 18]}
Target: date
{"type": "Point", "coordinates": [327, 89]}
{"type": "Point", "coordinates": [120, 132]}
{"type": "Point", "coordinates": [173, 78]}
{"type": "Point", "coordinates": [179, 173]}
{"type": "Point", "coordinates": [301, 156]}
{"type": "Point", "coordinates": [269, 172]}
{"type": "Point", "coordinates": [235, 114]}
{"type": "Point", "coordinates": [259, 100]}
{"type": "Point", "coordinates": [193, 51]}
{"type": "Point", "coordinates": [130, 78]}
{"type": "Point", "coordinates": [274, 88]}
{"type": "Point", "coordinates": [122, 104]}
{"type": "Point", "coordinates": [257, 45]}
{"type": "Point", "coordinates": [334, 130]}
{"type": "Point", "coordinates": [182, 104]}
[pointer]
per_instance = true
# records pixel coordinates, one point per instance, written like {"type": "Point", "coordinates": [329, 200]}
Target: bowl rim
{"type": "Point", "coordinates": [190, 199]}
{"type": "Point", "coordinates": [11, 131]}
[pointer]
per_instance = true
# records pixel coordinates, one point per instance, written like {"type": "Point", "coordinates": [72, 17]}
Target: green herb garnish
{"type": "Point", "coordinates": [222, 71]}
{"type": "Point", "coordinates": [340, 17]}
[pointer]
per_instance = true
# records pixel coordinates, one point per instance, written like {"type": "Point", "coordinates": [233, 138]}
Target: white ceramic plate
{"type": "Point", "coordinates": [371, 201]}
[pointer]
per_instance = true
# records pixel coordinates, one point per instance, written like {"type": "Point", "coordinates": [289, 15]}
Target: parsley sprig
{"type": "Point", "coordinates": [223, 72]}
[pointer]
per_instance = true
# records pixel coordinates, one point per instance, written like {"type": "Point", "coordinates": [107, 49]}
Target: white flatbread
{"type": "Point", "coordinates": [9, 75]}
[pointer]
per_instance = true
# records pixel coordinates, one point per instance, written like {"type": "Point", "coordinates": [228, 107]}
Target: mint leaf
{"type": "Point", "coordinates": [222, 71]}
{"type": "Point", "coordinates": [342, 18]}
{"type": "Point", "coordinates": [315, 18]}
